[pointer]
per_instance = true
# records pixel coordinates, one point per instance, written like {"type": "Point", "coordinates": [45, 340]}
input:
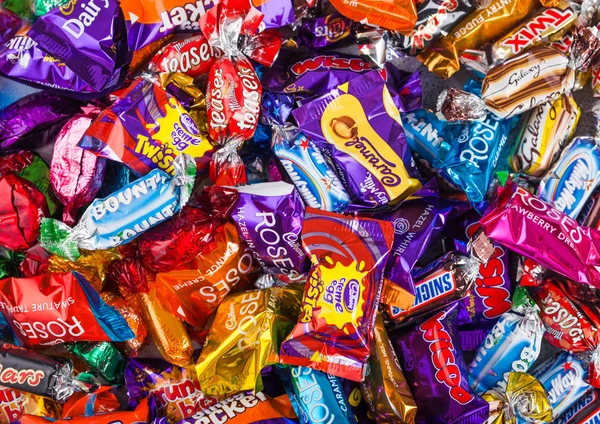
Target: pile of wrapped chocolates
{"type": "Point", "coordinates": [299, 211]}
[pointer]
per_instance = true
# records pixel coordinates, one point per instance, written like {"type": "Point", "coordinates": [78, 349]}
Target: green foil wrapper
{"type": "Point", "coordinates": [104, 359]}
{"type": "Point", "coordinates": [39, 174]}
{"type": "Point", "coordinates": [41, 7]}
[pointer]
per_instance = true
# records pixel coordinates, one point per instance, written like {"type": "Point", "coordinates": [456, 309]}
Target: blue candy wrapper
{"type": "Point", "coordinates": [124, 215]}
{"type": "Point", "coordinates": [564, 378]}
{"type": "Point", "coordinates": [513, 344]}
{"type": "Point", "coordinates": [317, 397]}
{"type": "Point", "coordinates": [573, 179]}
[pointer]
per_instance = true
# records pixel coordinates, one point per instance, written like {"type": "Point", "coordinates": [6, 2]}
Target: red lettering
{"type": "Point", "coordinates": [490, 286]}
{"type": "Point", "coordinates": [551, 18]}
{"type": "Point", "coordinates": [461, 395]}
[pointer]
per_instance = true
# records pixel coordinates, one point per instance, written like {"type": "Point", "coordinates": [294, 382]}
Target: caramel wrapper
{"type": "Point", "coordinates": [245, 338]}
{"type": "Point", "coordinates": [480, 27]}
{"type": "Point", "coordinates": [92, 264]}
{"type": "Point", "coordinates": [385, 388]}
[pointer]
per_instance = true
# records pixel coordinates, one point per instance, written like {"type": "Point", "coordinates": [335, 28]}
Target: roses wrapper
{"type": "Point", "coordinates": [79, 314]}
{"type": "Point", "coordinates": [334, 330]}
{"type": "Point", "coordinates": [525, 224]}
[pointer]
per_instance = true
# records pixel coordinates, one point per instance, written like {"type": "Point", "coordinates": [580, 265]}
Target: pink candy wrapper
{"type": "Point", "coordinates": [523, 223]}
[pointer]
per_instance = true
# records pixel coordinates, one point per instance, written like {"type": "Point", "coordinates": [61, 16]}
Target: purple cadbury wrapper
{"type": "Point", "coordinates": [269, 218]}
{"type": "Point", "coordinates": [434, 366]}
{"type": "Point", "coordinates": [418, 222]}
{"type": "Point", "coordinates": [325, 31]}
{"type": "Point", "coordinates": [87, 36]}
{"type": "Point", "coordinates": [358, 127]}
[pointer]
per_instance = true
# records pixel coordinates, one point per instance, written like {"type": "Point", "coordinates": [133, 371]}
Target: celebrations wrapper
{"type": "Point", "coordinates": [358, 126]}
{"type": "Point", "coordinates": [176, 390]}
{"type": "Point", "coordinates": [125, 214]}
{"type": "Point", "coordinates": [194, 294]}
{"type": "Point", "coordinates": [334, 330]}
{"type": "Point", "coordinates": [146, 128]}
{"type": "Point", "coordinates": [245, 337]}
{"type": "Point", "coordinates": [432, 360]}
{"type": "Point", "coordinates": [525, 224]}
{"type": "Point", "coordinates": [58, 308]}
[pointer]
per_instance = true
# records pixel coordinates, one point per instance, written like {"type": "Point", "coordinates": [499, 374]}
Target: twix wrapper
{"type": "Point", "coordinates": [544, 23]}
{"type": "Point", "coordinates": [478, 28]}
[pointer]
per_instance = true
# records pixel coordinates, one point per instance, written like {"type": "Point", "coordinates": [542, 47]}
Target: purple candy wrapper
{"type": "Point", "coordinates": [325, 31]}
{"type": "Point", "coordinates": [491, 293]}
{"type": "Point", "coordinates": [176, 392]}
{"type": "Point", "coordinates": [23, 60]}
{"type": "Point", "coordinates": [432, 360]}
{"type": "Point", "coordinates": [269, 217]}
{"type": "Point", "coordinates": [88, 37]}
{"type": "Point", "coordinates": [76, 175]}
{"type": "Point", "coordinates": [277, 13]}
{"type": "Point", "coordinates": [34, 120]}
{"type": "Point", "coordinates": [9, 24]}
{"type": "Point", "coordinates": [358, 127]}
{"type": "Point", "coordinates": [418, 222]}
{"type": "Point", "coordinates": [304, 73]}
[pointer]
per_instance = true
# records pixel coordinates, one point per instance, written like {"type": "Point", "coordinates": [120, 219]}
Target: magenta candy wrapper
{"type": "Point", "coordinates": [525, 224]}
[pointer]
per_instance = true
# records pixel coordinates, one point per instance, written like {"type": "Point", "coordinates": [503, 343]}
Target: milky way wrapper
{"type": "Point", "coordinates": [194, 294]}
{"type": "Point", "coordinates": [538, 27]}
{"type": "Point", "coordinates": [334, 330]}
{"type": "Point", "coordinates": [146, 129]}
{"type": "Point", "coordinates": [527, 80]}
{"type": "Point", "coordinates": [478, 28]}
{"type": "Point", "coordinates": [525, 224]}
{"type": "Point", "coordinates": [543, 133]}
{"type": "Point", "coordinates": [245, 338]}
{"type": "Point", "coordinates": [358, 126]}
{"type": "Point", "coordinates": [385, 388]}
{"type": "Point", "coordinates": [432, 359]}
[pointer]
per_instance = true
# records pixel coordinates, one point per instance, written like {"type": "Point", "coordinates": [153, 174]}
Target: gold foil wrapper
{"type": "Point", "coordinates": [92, 264]}
{"type": "Point", "coordinates": [245, 338]}
{"type": "Point", "coordinates": [186, 84]}
{"type": "Point", "coordinates": [168, 332]}
{"type": "Point", "coordinates": [385, 388]}
{"type": "Point", "coordinates": [143, 55]}
{"type": "Point", "coordinates": [42, 407]}
{"type": "Point", "coordinates": [480, 27]}
{"type": "Point", "coordinates": [132, 313]}
{"type": "Point", "coordinates": [525, 400]}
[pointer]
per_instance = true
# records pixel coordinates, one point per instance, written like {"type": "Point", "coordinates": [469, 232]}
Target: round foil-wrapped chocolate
{"type": "Point", "coordinates": [33, 119]}
{"type": "Point", "coordinates": [22, 206]}
{"type": "Point", "coordinates": [76, 175]}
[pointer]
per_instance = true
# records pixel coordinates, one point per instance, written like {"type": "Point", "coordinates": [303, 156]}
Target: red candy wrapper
{"type": "Point", "coordinates": [58, 308]}
{"type": "Point", "coordinates": [334, 331]}
{"type": "Point", "coordinates": [22, 206]}
{"type": "Point", "coordinates": [525, 224]}
{"type": "Point", "coordinates": [76, 175]}
{"type": "Point", "coordinates": [233, 96]}
{"type": "Point", "coordinates": [193, 56]}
